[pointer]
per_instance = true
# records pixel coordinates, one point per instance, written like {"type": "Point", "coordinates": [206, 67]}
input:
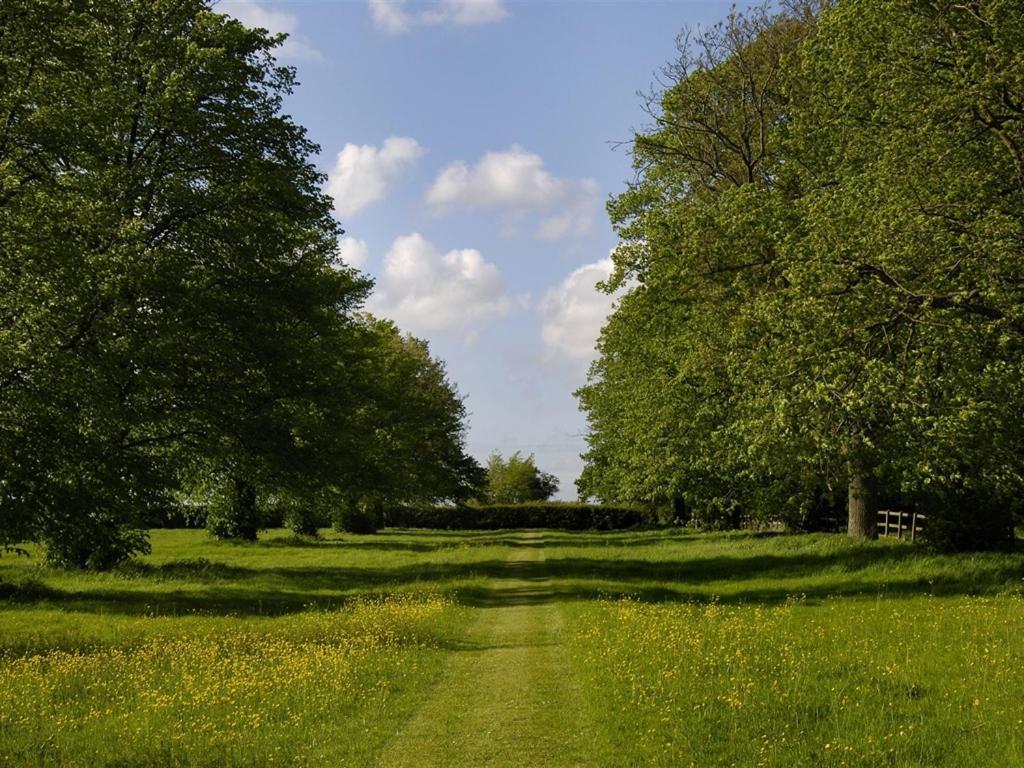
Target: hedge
{"type": "Point", "coordinates": [562, 516]}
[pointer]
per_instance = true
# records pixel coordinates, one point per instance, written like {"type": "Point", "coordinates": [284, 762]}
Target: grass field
{"type": "Point", "coordinates": [518, 648]}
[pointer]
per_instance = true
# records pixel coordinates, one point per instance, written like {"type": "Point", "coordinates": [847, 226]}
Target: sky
{"type": "Point", "coordinates": [470, 147]}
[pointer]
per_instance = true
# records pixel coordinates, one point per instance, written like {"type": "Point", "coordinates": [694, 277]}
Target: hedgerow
{"type": "Point", "coordinates": [558, 515]}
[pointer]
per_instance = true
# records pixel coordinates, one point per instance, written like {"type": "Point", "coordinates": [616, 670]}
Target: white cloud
{"type": "Point", "coordinates": [517, 181]}
{"type": "Point", "coordinates": [392, 16]}
{"type": "Point", "coordinates": [424, 290]}
{"type": "Point", "coordinates": [514, 179]}
{"type": "Point", "coordinates": [577, 216]}
{"type": "Point", "coordinates": [573, 313]}
{"type": "Point", "coordinates": [253, 14]}
{"type": "Point", "coordinates": [353, 252]}
{"type": "Point", "coordinates": [362, 174]}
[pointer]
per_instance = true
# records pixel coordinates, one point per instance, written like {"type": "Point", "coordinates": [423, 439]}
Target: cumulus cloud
{"type": "Point", "coordinates": [363, 174]}
{"type": "Point", "coordinates": [394, 18]}
{"type": "Point", "coordinates": [354, 252]}
{"type": "Point", "coordinates": [573, 313]}
{"type": "Point", "coordinates": [577, 215]}
{"type": "Point", "coordinates": [253, 14]}
{"type": "Point", "coordinates": [425, 290]}
{"type": "Point", "coordinates": [517, 181]}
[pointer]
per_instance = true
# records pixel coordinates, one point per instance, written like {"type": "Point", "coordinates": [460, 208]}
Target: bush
{"type": "Point", "coordinates": [363, 518]}
{"type": "Point", "coordinates": [96, 546]}
{"type": "Point", "coordinates": [717, 515]}
{"type": "Point", "coordinates": [195, 515]}
{"type": "Point", "coordinates": [964, 520]}
{"type": "Point", "coordinates": [304, 521]}
{"type": "Point", "coordinates": [233, 514]}
{"type": "Point", "coordinates": [356, 521]}
{"type": "Point", "coordinates": [814, 510]}
{"type": "Point", "coordinates": [562, 516]}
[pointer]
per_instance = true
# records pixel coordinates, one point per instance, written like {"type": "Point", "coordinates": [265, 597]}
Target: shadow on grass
{"type": "Point", "coordinates": [222, 589]}
{"type": "Point", "coordinates": [554, 538]}
{"type": "Point", "coordinates": [350, 544]}
{"type": "Point", "coordinates": [396, 540]}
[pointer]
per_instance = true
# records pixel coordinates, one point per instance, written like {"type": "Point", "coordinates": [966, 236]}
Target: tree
{"type": "Point", "coordinates": [906, 277]}
{"type": "Point", "coordinates": [825, 237]}
{"type": "Point", "coordinates": [700, 232]}
{"type": "Point", "coordinates": [516, 480]}
{"type": "Point", "coordinates": [412, 426]}
{"type": "Point", "coordinates": [170, 295]}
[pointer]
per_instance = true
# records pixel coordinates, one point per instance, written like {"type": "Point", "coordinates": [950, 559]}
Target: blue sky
{"type": "Point", "coordinates": [469, 148]}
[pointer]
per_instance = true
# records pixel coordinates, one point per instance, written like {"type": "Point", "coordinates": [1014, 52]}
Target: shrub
{"type": "Point", "coordinates": [718, 515]}
{"type": "Point", "coordinates": [963, 520]}
{"type": "Point", "coordinates": [304, 521]}
{"type": "Point", "coordinates": [233, 513]}
{"type": "Point", "coordinates": [96, 545]}
{"type": "Point", "coordinates": [355, 521]}
{"type": "Point", "coordinates": [364, 517]}
{"type": "Point", "coordinates": [817, 509]}
{"type": "Point", "coordinates": [181, 515]}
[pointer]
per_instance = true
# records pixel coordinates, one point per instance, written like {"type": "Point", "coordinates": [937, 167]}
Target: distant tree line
{"type": "Point", "coordinates": [824, 255]}
{"type": "Point", "coordinates": [176, 327]}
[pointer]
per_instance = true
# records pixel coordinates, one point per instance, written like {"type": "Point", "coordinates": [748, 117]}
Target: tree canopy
{"type": "Point", "coordinates": [825, 241]}
{"type": "Point", "coordinates": [515, 480]}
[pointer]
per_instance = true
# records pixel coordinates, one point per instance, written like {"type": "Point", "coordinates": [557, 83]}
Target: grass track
{"type": "Point", "coordinates": [508, 696]}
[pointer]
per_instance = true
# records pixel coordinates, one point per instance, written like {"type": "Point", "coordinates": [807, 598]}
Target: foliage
{"type": "Point", "coordinates": [516, 480]}
{"type": "Point", "coordinates": [169, 277]}
{"type": "Point", "coordinates": [304, 521]}
{"type": "Point", "coordinates": [824, 244]}
{"type": "Point", "coordinates": [963, 519]}
{"type": "Point", "coordinates": [232, 513]}
{"type": "Point", "coordinates": [93, 544]}
{"type": "Point", "coordinates": [698, 232]}
{"type": "Point", "coordinates": [360, 518]}
{"type": "Point", "coordinates": [413, 419]}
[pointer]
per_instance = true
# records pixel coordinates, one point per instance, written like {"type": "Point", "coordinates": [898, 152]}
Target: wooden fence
{"type": "Point", "coordinates": [893, 523]}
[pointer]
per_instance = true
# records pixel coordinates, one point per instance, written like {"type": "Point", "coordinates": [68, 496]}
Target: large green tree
{"type": "Point", "coordinates": [700, 231]}
{"type": "Point", "coordinates": [905, 305]}
{"type": "Point", "coordinates": [411, 422]}
{"type": "Point", "coordinates": [170, 296]}
{"type": "Point", "coordinates": [825, 235]}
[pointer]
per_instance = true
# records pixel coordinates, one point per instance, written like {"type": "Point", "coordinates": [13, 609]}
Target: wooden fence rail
{"type": "Point", "coordinates": [894, 523]}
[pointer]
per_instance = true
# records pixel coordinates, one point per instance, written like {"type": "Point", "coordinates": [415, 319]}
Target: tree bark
{"type": "Point", "coordinates": [681, 510]}
{"type": "Point", "coordinates": [862, 521]}
{"type": "Point", "coordinates": [246, 515]}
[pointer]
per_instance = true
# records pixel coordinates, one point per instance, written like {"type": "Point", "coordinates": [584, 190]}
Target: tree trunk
{"type": "Point", "coordinates": [246, 516]}
{"type": "Point", "coordinates": [681, 510]}
{"type": "Point", "coordinates": [862, 516]}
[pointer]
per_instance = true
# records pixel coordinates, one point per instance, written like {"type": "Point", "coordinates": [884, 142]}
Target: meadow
{"type": "Point", "coordinates": [537, 648]}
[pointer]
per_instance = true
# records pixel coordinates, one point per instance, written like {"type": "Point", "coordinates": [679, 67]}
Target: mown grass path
{"type": "Point", "coordinates": [508, 697]}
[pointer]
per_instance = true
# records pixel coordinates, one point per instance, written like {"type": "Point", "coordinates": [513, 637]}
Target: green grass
{"type": "Point", "coordinates": [434, 648]}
